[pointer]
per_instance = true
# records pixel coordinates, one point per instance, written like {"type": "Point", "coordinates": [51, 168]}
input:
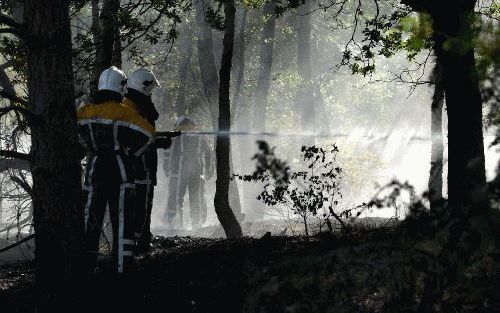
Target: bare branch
{"type": "Point", "coordinates": [17, 243]}
{"type": "Point", "coordinates": [15, 28]}
{"type": "Point", "coordinates": [15, 155]}
{"type": "Point", "coordinates": [13, 164]}
{"type": "Point", "coordinates": [9, 21]}
{"type": "Point", "coordinates": [23, 184]}
{"type": "Point", "coordinates": [14, 98]}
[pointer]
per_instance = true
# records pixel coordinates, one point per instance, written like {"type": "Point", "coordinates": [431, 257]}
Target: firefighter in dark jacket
{"type": "Point", "coordinates": [112, 135]}
{"type": "Point", "coordinates": [138, 97]}
{"type": "Point", "coordinates": [188, 164]}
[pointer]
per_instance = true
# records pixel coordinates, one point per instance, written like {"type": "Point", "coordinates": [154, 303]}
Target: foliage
{"type": "Point", "coordinates": [426, 263]}
{"type": "Point", "coordinates": [386, 34]}
{"type": "Point", "coordinates": [314, 192]}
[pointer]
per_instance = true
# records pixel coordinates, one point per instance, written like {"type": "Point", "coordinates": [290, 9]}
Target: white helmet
{"type": "Point", "coordinates": [183, 120]}
{"type": "Point", "coordinates": [143, 80]}
{"type": "Point", "coordinates": [112, 79]}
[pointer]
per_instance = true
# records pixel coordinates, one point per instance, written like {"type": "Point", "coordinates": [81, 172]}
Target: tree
{"type": "Point", "coordinates": [435, 185]}
{"type": "Point", "coordinates": [55, 165]}
{"type": "Point", "coordinates": [211, 87]}
{"type": "Point", "coordinates": [239, 58]}
{"type": "Point", "coordinates": [186, 45]}
{"type": "Point", "coordinates": [266, 62]}
{"type": "Point", "coordinates": [304, 99]}
{"type": "Point", "coordinates": [453, 44]}
{"type": "Point", "coordinates": [223, 146]}
{"type": "Point", "coordinates": [207, 61]}
{"type": "Point", "coordinates": [452, 37]}
{"type": "Point", "coordinates": [106, 39]}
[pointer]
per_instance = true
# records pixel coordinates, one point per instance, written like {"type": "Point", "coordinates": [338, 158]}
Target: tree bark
{"type": "Point", "coordinates": [116, 59]}
{"type": "Point", "coordinates": [239, 59]}
{"type": "Point", "coordinates": [467, 193]}
{"type": "Point", "coordinates": [186, 46]}
{"type": "Point", "coordinates": [105, 30]}
{"type": "Point", "coordinates": [435, 184]}
{"type": "Point", "coordinates": [266, 63]}
{"type": "Point", "coordinates": [221, 201]}
{"type": "Point", "coordinates": [5, 81]}
{"type": "Point", "coordinates": [242, 114]}
{"type": "Point", "coordinates": [55, 166]}
{"type": "Point", "coordinates": [210, 82]}
{"type": "Point", "coordinates": [207, 61]}
{"type": "Point", "coordinates": [308, 100]}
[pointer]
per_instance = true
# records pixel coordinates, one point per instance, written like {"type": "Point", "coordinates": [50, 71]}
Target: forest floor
{"type": "Point", "coordinates": [369, 271]}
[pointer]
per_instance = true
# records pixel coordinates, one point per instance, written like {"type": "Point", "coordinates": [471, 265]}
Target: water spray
{"type": "Point", "coordinates": [276, 134]}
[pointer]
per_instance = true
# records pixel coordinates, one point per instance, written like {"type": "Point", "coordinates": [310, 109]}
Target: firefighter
{"type": "Point", "coordinates": [185, 164]}
{"type": "Point", "coordinates": [138, 97]}
{"type": "Point", "coordinates": [112, 134]}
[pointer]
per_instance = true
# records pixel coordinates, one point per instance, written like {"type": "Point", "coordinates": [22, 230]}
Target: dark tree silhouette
{"type": "Point", "coordinates": [221, 201]}
{"type": "Point", "coordinates": [186, 46]}
{"type": "Point", "coordinates": [454, 48]}
{"type": "Point", "coordinates": [266, 63]}
{"type": "Point", "coordinates": [55, 165]}
{"type": "Point", "coordinates": [206, 61]}
{"type": "Point", "coordinates": [105, 28]}
{"type": "Point", "coordinates": [210, 82]}
{"type": "Point", "coordinates": [435, 184]}
{"type": "Point", "coordinates": [239, 58]}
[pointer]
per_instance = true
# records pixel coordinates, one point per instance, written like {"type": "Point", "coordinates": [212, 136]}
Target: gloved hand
{"type": "Point", "coordinates": [209, 172]}
{"type": "Point", "coordinates": [171, 213]}
{"type": "Point", "coordinates": [163, 142]}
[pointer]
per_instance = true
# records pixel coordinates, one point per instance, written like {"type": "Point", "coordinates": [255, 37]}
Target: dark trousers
{"type": "Point", "coordinates": [144, 206]}
{"type": "Point", "coordinates": [177, 191]}
{"type": "Point", "coordinates": [119, 197]}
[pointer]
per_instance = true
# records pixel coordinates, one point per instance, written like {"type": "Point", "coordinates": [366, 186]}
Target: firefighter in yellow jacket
{"type": "Point", "coordinates": [138, 97]}
{"type": "Point", "coordinates": [112, 135]}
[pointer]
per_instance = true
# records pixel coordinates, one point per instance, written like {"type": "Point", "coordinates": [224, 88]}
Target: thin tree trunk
{"type": "Point", "coordinates": [104, 38]}
{"type": "Point", "coordinates": [207, 62]}
{"type": "Point", "coordinates": [467, 193]}
{"type": "Point", "coordinates": [241, 113]}
{"type": "Point", "coordinates": [210, 82]}
{"type": "Point", "coordinates": [435, 184]}
{"type": "Point", "coordinates": [186, 46]}
{"type": "Point", "coordinates": [308, 99]}
{"type": "Point", "coordinates": [266, 62]}
{"type": "Point", "coordinates": [55, 166]}
{"type": "Point", "coordinates": [221, 201]}
{"type": "Point", "coordinates": [5, 81]}
{"type": "Point", "coordinates": [116, 59]}
{"type": "Point", "coordinates": [239, 59]}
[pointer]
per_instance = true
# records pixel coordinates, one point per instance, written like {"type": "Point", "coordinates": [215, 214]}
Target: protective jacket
{"type": "Point", "coordinates": [184, 166]}
{"type": "Point", "coordinates": [145, 167]}
{"type": "Point", "coordinates": [112, 134]}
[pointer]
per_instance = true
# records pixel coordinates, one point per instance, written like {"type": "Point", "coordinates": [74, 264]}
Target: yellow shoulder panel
{"type": "Point", "coordinates": [129, 103]}
{"type": "Point", "coordinates": [108, 110]}
{"type": "Point", "coordinates": [113, 110]}
{"type": "Point", "coordinates": [133, 117]}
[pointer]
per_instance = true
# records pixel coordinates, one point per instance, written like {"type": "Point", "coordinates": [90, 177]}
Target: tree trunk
{"type": "Point", "coordinates": [435, 184]}
{"type": "Point", "coordinates": [116, 59]}
{"type": "Point", "coordinates": [207, 61]}
{"type": "Point", "coordinates": [221, 201]}
{"type": "Point", "coordinates": [241, 112]}
{"type": "Point", "coordinates": [308, 100]}
{"type": "Point", "coordinates": [210, 82]}
{"type": "Point", "coordinates": [186, 46]}
{"type": "Point", "coordinates": [104, 38]}
{"type": "Point", "coordinates": [266, 62]}
{"type": "Point", "coordinates": [239, 59]}
{"type": "Point", "coordinates": [55, 165]}
{"type": "Point", "coordinates": [467, 193]}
